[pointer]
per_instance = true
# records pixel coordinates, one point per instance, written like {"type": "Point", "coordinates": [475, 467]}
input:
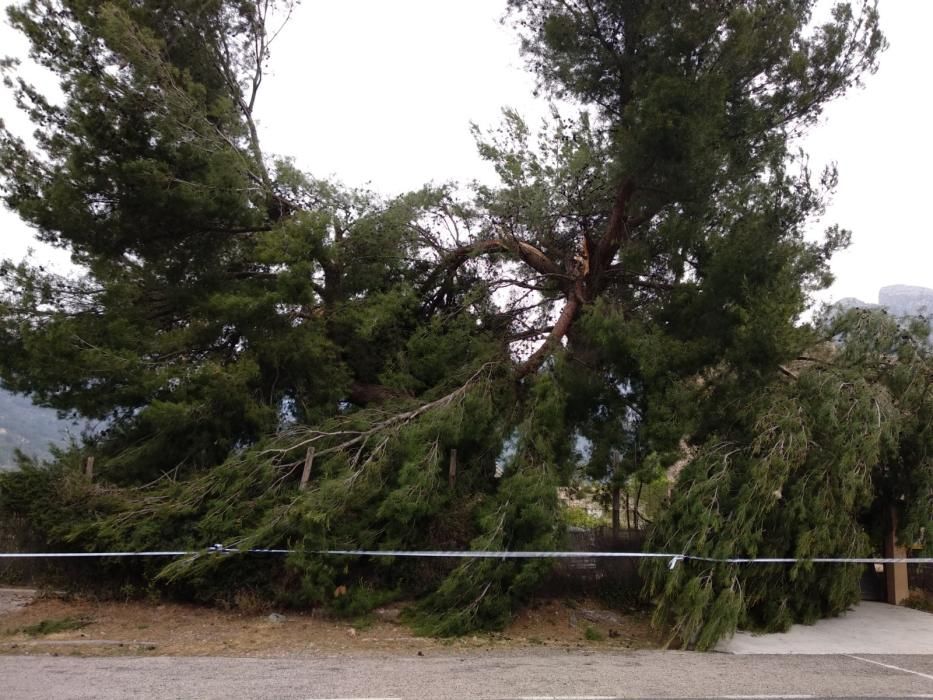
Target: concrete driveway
{"type": "Point", "coordinates": [869, 628]}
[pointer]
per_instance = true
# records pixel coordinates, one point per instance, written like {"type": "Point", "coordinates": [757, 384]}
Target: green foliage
{"type": "Point", "coordinates": [483, 593]}
{"type": "Point", "coordinates": [53, 625]}
{"type": "Point", "coordinates": [802, 469]}
{"type": "Point", "coordinates": [579, 517]}
{"type": "Point", "coordinates": [360, 600]}
{"type": "Point", "coordinates": [629, 290]}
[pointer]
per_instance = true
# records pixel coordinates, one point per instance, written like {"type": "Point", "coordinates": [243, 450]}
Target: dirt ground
{"type": "Point", "coordinates": [170, 629]}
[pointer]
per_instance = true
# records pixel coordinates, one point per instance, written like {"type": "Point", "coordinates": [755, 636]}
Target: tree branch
{"type": "Point", "coordinates": [528, 334]}
{"type": "Point", "coordinates": [526, 252]}
{"type": "Point", "coordinates": [616, 229]}
{"type": "Point", "coordinates": [564, 321]}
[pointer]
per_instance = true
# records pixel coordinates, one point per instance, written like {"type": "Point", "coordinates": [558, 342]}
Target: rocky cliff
{"type": "Point", "coordinates": [898, 299]}
{"type": "Point", "coordinates": [903, 300]}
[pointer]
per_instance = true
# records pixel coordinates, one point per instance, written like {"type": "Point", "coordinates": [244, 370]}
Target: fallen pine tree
{"type": "Point", "coordinates": [440, 364]}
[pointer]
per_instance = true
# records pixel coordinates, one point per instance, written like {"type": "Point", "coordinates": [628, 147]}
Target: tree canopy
{"type": "Point", "coordinates": [634, 283]}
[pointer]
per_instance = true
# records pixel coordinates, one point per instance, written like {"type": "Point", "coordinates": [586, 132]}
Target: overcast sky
{"type": "Point", "coordinates": [382, 93]}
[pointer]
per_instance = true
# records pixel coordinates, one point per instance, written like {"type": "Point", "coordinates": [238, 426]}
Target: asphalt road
{"type": "Point", "coordinates": [519, 674]}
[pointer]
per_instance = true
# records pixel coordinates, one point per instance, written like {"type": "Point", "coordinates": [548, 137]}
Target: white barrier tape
{"type": "Point", "coordinates": [675, 558]}
{"type": "Point", "coordinates": [818, 560]}
{"type": "Point", "coordinates": [461, 554]}
{"type": "Point", "coordinates": [27, 555]}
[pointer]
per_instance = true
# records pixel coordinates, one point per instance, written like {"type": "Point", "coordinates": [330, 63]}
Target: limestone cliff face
{"type": "Point", "coordinates": [898, 300]}
{"type": "Point", "coordinates": [903, 300]}
{"type": "Point", "coordinates": [847, 303]}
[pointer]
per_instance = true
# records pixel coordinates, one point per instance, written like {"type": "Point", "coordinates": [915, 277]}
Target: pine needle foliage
{"type": "Point", "coordinates": [628, 292]}
{"type": "Point", "coordinates": [804, 469]}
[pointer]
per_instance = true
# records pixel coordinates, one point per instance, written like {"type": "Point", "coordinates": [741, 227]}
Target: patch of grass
{"type": "Point", "coordinates": [575, 516]}
{"type": "Point", "coordinates": [251, 602]}
{"type": "Point", "coordinates": [358, 601]}
{"type": "Point", "coordinates": [594, 635]}
{"type": "Point", "coordinates": [362, 622]}
{"type": "Point", "coordinates": [53, 625]}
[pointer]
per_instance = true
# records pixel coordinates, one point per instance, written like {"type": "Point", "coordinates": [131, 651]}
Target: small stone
{"type": "Point", "coordinates": [351, 632]}
{"type": "Point", "coordinates": [420, 653]}
{"type": "Point", "coordinates": [275, 618]}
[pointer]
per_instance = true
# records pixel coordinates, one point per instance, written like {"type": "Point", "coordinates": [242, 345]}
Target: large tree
{"type": "Point", "coordinates": [225, 294]}
{"type": "Point", "coordinates": [640, 267]}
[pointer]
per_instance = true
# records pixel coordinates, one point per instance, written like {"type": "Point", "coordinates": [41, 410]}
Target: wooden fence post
{"type": "Point", "coordinates": [306, 472]}
{"type": "Point", "coordinates": [616, 512]}
{"type": "Point", "coordinates": [89, 468]}
{"type": "Point", "coordinates": [452, 470]}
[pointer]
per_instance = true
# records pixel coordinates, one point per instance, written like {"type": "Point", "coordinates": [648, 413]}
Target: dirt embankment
{"type": "Point", "coordinates": [52, 624]}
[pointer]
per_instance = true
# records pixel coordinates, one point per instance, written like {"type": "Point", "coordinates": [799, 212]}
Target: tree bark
{"type": "Point", "coordinates": [306, 471]}
{"type": "Point", "coordinates": [637, 502]}
{"type": "Point", "coordinates": [564, 321]}
{"type": "Point", "coordinates": [616, 514]}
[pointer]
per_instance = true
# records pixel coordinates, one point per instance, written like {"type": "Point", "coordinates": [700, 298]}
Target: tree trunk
{"type": "Point", "coordinates": [564, 321]}
{"type": "Point", "coordinates": [637, 501]}
{"type": "Point", "coordinates": [616, 524]}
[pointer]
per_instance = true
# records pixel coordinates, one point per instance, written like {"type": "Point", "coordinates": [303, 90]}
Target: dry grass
{"type": "Point", "coordinates": [170, 629]}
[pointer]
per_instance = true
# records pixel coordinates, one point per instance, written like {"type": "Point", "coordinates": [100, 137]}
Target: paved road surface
{"type": "Point", "coordinates": [519, 674]}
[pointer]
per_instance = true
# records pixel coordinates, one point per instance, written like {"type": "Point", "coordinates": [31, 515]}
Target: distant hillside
{"type": "Point", "coordinates": [29, 428]}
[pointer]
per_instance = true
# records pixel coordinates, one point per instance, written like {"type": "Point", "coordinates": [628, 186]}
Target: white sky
{"type": "Point", "coordinates": [382, 93]}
